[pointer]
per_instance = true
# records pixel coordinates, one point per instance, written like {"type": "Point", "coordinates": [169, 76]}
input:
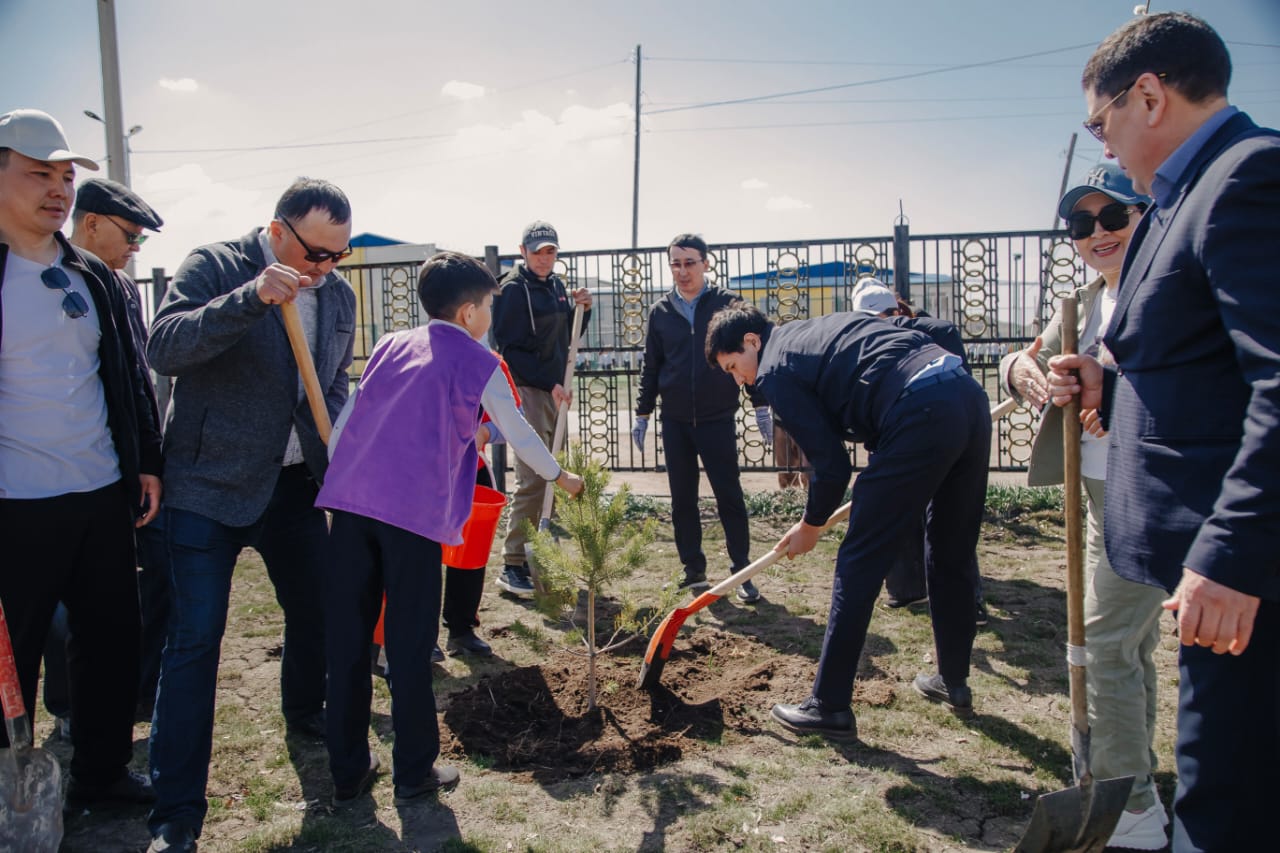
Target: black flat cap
{"type": "Point", "coordinates": [98, 195]}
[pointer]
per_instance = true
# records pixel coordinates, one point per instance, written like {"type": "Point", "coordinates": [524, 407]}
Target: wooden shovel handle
{"type": "Point", "coordinates": [1072, 516]}
{"type": "Point", "coordinates": [306, 367]}
{"type": "Point", "coordinates": [562, 412]}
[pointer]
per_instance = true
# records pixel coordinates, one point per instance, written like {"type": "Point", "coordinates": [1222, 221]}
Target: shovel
{"type": "Point", "coordinates": [1082, 818]}
{"type": "Point", "coordinates": [307, 368]}
{"type": "Point", "coordinates": [655, 657]}
{"type": "Point", "coordinates": [557, 440]}
{"type": "Point", "coordinates": [30, 778]}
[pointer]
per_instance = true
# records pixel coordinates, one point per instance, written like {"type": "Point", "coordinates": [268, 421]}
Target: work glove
{"type": "Point", "coordinates": [638, 431]}
{"type": "Point", "coordinates": [764, 423]}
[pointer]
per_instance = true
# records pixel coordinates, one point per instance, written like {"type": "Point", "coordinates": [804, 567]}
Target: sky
{"type": "Point", "coordinates": [457, 123]}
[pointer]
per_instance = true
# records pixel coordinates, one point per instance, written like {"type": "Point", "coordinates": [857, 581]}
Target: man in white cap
{"type": "Point", "coordinates": [79, 457]}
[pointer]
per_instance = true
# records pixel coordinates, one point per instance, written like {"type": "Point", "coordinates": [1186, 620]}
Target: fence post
{"type": "Point", "coordinates": [902, 257]}
{"type": "Point", "coordinates": [497, 451]}
{"type": "Point", "coordinates": [164, 384]}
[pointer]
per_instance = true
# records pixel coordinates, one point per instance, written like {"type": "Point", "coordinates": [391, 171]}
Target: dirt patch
{"type": "Point", "coordinates": [535, 720]}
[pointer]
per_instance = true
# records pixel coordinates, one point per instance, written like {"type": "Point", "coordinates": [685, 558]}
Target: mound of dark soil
{"type": "Point", "coordinates": [534, 720]}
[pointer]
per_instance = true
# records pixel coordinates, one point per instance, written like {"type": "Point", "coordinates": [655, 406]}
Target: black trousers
{"type": "Point", "coordinates": [78, 548]}
{"type": "Point", "coordinates": [463, 588]}
{"type": "Point", "coordinates": [716, 444]}
{"type": "Point", "coordinates": [933, 453]}
{"type": "Point", "coordinates": [370, 557]}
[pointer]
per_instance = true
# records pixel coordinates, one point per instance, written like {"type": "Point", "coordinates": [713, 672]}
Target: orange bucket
{"type": "Point", "coordinates": [478, 532]}
{"type": "Point", "coordinates": [477, 540]}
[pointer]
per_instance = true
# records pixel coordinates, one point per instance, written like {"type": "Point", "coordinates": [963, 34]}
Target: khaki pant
{"type": "Point", "coordinates": [526, 502]}
{"type": "Point", "coordinates": [1122, 628]}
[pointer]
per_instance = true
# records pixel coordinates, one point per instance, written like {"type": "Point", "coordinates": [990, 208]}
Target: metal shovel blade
{"type": "Point", "coordinates": [1076, 820]}
{"type": "Point", "coordinates": [30, 800]}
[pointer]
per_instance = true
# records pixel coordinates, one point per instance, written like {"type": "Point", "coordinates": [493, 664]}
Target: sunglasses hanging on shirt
{"type": "Point", "coordinates": [73, 304]}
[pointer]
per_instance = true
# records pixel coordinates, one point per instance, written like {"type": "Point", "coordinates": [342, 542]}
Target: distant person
{"type": "Point", "coordinates": [79, 458]}
{"type": "Point", "coordinates": [1192, 405]}
{"type": "Point", "coordinates": [531, 319]}
{"type": "Point", "coordinates": [699, 414]}
{"type": "Point", "coordinates": [855, 377]}
{"type": "Point", "coordinates": [1121, 618]}
{"type": "Point", "coordinates": [244, 462]}
{"type": "Point", "coordinates": [109, 222]}
{"type": "Point", "coordinates": [397, 496]}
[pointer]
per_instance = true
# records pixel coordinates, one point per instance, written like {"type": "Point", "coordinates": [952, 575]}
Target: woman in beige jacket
{"type": "Point", "coordinates": [1121, 617]}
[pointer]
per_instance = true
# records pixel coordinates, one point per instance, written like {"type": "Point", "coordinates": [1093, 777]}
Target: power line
{"type": "Point", "coordinates": [255, 148]}
{"type": "Point", "coordinates": [894, 78]}
{"type": "Point", "coordinates": [921, 120]}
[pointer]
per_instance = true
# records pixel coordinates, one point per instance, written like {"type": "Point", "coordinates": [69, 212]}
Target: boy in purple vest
{"type": "Point", "coordinates": [400, 486]}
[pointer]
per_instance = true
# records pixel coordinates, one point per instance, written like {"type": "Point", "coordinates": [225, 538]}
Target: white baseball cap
{"type": "Point", "coordinates": [38, 135]}
{"type": "Point", "coordinates": [872, 297]}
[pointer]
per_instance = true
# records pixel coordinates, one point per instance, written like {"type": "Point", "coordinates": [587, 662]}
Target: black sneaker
{"type": "Point", "coordinates": [437, 654]}
{"type": "Point", "coordinates": [311, 726]}
{"type": "Point", "coordinates": [747, 593]}
{"type": "Point", "coordinates": [693, 582]}
{"type": "Point", "coordinates": [809, 718]}
{"type": "Point", "coordinates": [173, 838]}
{"type": "Point", "coordinates": [442, 778]}
{"type": "Point", "coordinates": [131, 789]}
{"type": "Point", "coordinates": [981, 618]}
{"type": "Point", "coordinates": [469, 644]}
{"type": "Point", "coordinates": [344, 796]}
{"type": "Point", "coordinates": [907, 602]}
{"type": "Point", "coordinates": [516, 581]}
{"type": "Point", "coordinates": [959, 698]}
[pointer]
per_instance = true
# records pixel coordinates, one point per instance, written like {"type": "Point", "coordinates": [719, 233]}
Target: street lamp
{"type": "Point", "coordinates": [124, 166]}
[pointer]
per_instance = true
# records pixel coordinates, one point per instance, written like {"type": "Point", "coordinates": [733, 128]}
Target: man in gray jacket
{"type": "Point", "coordinates": [244, 459]}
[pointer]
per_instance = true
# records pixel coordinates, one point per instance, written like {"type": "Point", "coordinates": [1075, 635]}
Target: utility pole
{"type": "Point", "coordinates": [1066, 175]}
{"type": "Point", "coordinates": [117, 160]}
{"type": "Point", "coordinates": [635, 178]}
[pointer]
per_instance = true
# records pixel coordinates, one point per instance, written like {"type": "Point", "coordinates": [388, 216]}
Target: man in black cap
{"type": "Point", "coordinates": [531, 317]}
{"type": "Point", "coordinates": [108, 221]}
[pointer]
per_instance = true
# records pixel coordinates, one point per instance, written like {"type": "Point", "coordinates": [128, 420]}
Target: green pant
{"type": "Point", "coordinates": [1122, 628]}
{"type": "Point", "coordinates": [526, 503]}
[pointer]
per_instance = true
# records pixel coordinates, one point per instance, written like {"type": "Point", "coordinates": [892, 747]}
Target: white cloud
{"type": "Point", "coordinates": [753, 184]}
{"type": "Point", "coordinates": [602, 129]}
{"type": "Point", "coordinates": [462, 91]}
{"type": "Point", "coordinates": [197, 209]}
{"type": "Point", "coordinates": [786, 202]}
{"type": "Point", "coordinates": [179, 84]}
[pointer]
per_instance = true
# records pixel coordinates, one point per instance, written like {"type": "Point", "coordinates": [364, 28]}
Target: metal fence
{"type": "Point", "coordinates": [998, 288]}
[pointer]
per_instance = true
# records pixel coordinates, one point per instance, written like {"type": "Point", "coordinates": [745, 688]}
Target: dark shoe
{"type": "Point", "coordinates": [344, 796]}
{"type": "Point", "coordinates": [981, 618]}
{"type": "Point", "coordinates": [747, 593]}
{"type": "Point", "coordinates": [907, 602]}
{"type": "Point", "coordinates": [469, 644]}
{"type": "Point", "coordinates": [62, 728]}
{"type": "Point", "coordinates": [693, 582]}
{"type": "Point", "coordinates": [442, 778]}
{"type": "Point", "coordinates": [809, 718]}
{"type": "Point", "coordinates": [173, 838]}
{"type": "Point", "coordinates": [130, 789]}
{"type": "Point", "coordinates": [516, 581]}
{"type": "Point", "coordinates": [312, 726]}
{"type": "Point", "coordinates": [437, 654]}
{"type": "Point", "coordinates": [959, 698]}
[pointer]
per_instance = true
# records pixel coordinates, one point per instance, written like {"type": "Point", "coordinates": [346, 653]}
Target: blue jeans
{"type": "Point", "coordinates": [292, 537]}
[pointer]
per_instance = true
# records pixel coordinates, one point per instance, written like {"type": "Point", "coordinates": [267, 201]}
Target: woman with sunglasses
{"type": "Point", "coordinates": [1121, 617]}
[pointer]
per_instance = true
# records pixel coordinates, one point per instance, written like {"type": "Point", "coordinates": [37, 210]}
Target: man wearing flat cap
{"type": "Point", "coordinates": [79, 457]}
{"type": "Point", "coordinates": [531, 318]}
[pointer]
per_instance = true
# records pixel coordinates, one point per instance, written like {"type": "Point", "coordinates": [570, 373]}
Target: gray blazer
{"type": "Point", "coordinates": [236, 392]}
{"type": "Point", "coordinates": [1045, 465]}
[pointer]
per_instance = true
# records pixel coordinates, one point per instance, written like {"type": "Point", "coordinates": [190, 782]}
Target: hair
{"type": "Point", "coordinates": [1182, 47]}
{"type": "Point", "coordinates": [689, 241]}
{"type": "Point", "coordinates": [730, 325]}
{"type": "Point", "coordinates": [448, 281]}
{"type": "Point", "coordinates": [904, 308]}
{"type": "Point", "coordinates": [307, 194]}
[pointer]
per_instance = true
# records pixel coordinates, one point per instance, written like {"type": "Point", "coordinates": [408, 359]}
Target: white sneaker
{"type": "Point", "coordinates": [1141, 831]}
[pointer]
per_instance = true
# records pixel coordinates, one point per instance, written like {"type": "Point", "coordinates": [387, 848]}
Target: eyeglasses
{"type": "Point", "coordinates": [129, 237]}
{"type": "Point", "coordinates": [1113, 217]}
{"type": "Point", "coordinates": [686, 264]}
{"type": "Point", "coordinates": [1094, 123]}
{"type": "Point", "coordinates": [73, 304]}
{"type": "Point", "coordinates": [316, 256]}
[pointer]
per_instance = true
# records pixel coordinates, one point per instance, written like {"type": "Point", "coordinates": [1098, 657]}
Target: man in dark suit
{"type": "Point", "coordinates": [1193, 405]}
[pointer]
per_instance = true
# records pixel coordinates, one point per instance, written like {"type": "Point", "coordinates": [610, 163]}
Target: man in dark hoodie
{"type": "Point", "coordinates": [531, 317]}
{"type": "Point", "coordinates": [699, 413]}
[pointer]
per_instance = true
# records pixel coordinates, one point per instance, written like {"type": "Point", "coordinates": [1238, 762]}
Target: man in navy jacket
{"type": "Point", "coordinates": [1193, 405]}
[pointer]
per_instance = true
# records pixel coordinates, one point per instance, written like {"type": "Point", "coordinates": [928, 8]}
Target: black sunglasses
{"type": "Point", "coordinates": [73, 304]}
{"type": "Point", "coordinates": [316, 256]}
{"type": "Point", "coordinates": [129, 237]}
{"type": "Point", "coordinates": [1113, 217]}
